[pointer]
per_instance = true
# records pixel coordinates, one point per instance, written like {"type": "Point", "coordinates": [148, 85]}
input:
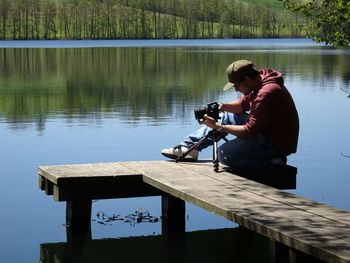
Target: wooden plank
{"type": "Point", "coordinates": [315, 235]}
{"type": "Point", "coordinates": [94, 181]}
{"type": "Point", "coordinates": [48, 187]}
{"type": "Point", "coordinates": [284, 197]}
{"type": "Point", "coordinates": [81, 172]}
{"type": "Point", "coordinates": [279, 196]}
{"type": "Point", "coordinates": [106, 191]}
{"type": "Point", "coordinates": [41, 183]}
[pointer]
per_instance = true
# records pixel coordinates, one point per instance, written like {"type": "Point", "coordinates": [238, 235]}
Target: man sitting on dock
{"type": "Point", "coordinates": [264, 120]}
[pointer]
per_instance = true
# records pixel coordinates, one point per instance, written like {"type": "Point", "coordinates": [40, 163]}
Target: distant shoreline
{"type": "Point", "coordinates": [258, 42]}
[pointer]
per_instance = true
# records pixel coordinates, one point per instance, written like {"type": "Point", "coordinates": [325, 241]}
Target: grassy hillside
{"type": "Point", "coordinates": [152, 19]}
{"type": "Point", "coordinates": [274, 4]}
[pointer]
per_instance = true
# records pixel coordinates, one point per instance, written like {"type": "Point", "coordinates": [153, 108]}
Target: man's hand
{"type": "Point", "coordinates": [210, 122]}
{"type": "Point", "coordinates": [237, 130]}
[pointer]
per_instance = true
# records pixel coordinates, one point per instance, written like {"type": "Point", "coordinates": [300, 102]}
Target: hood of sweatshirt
{"type": "Point", "coordinates": [271, 76]}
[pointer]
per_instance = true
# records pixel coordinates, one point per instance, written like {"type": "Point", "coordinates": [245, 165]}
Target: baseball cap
{"type": "Point", "coordinates": [237, 71]}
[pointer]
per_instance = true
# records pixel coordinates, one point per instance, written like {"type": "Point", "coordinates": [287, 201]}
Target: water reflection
{"type": "Point", "coordinates": [223, 245]}
{"type": "Point", "coordinates": [139, 83]}
{"type": "Point", "coordinates": [109, 104]}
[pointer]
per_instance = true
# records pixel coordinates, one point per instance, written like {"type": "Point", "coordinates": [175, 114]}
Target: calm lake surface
{"type": "Point", "coordinates": [102, 101]}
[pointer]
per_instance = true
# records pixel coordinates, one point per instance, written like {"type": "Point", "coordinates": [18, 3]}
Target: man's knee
{"type": "Point", "coordinates": [226, 154]}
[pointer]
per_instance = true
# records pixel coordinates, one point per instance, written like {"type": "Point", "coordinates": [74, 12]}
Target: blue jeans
{"type": "Point", "coordinates": [239, 152]}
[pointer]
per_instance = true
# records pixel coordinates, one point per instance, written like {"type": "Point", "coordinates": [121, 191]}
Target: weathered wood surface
{"type": "Point", "coordinates": [304, 225]}
{"type": "Point", "coordinates": [315, 229]}
{"type": "Point", "coordinates": [94, 181]}
{"type": "Point", "coordinates": [60, 174]}
{"type": "Point", "coordinates": [274, 194]}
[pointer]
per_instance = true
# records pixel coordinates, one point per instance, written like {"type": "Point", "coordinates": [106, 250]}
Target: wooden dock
{"type": "Point", "coordinates": [298, 226]}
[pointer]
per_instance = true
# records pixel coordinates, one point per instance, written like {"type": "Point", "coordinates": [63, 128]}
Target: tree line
{"type": "Point", "coordinates": [327, 20]}
{"type": "Point", "coordinates": [132, 83]}
{"type": "Point", "coordinates": [143, 19]}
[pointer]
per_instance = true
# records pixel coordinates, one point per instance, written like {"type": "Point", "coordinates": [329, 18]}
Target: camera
{"type": "Point", "coordinates": [212, 110]}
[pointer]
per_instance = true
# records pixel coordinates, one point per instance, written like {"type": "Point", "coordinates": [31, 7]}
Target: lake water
{"type": "Point", "coordinates": [102, 101]}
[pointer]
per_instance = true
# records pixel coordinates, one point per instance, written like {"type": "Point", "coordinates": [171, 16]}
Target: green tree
{"type": "Point", "coordinates": [329, 20]}
{"type": "Point", "coordinates": [228, 17]}
{"type": "Point", "coordinates": [4, 17]}
{"type": "Point", "coordinates": [49, 14]}
{"type": "Point", "coordinates": [64, 19]}
{"type": "Point", "coordinates": [190, 18]}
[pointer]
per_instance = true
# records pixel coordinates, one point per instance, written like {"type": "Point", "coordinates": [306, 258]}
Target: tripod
{"type": "Point", "coordinates": [215, 136]}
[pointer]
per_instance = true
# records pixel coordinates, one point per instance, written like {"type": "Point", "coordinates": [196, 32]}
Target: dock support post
{"type": "Point", "coordinates": [298, 256]}
{"type": "Point", "coordinates": [173, 227]}
{"type": "Point", "coordinates": [78, 216]}
{"type": "Point", "coordinates": [78, 227]}
{"type": "Point", "coordinates": [280, 253]}
{"type": "Point", "coordinates": [173, 216]}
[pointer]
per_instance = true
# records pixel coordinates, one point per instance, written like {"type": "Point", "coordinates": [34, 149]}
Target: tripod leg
{"type": "Point", "coordinates": [215, 153]}
{"type": "Point", "coordinates": [194, 147]}
{"type": "Point", "coordinates": [215, 136]}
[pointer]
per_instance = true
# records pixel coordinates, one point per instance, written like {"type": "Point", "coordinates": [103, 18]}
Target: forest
{"type": "Point", "coordinates": [147, 19]}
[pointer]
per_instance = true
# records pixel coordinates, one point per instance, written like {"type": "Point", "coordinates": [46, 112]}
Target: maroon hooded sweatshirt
{"type": "Point", "coordinates": [272, 113]}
